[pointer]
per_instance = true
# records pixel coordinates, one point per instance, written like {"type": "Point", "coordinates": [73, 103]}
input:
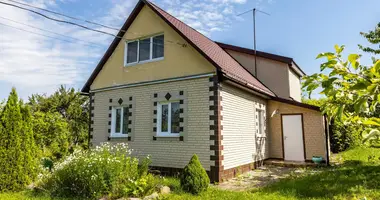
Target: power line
{"type": "Point", "coordinates": [64, 15]}
{"type": "Point", "coordinates": [79, 25]}
{"type": "Point", "coordinates": [48, 36]}
{"type": "Point", "coordinates": [73, 38]}
{"type": "Point", "coordinates": [57, 20]}
{"type": "Point", "coordinates": [79, 19]}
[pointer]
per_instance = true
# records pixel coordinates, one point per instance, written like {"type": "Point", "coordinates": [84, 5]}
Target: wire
{"type": "Point", "coordinates": [64, 15]}
{"type": "Point", "coordinates": [40, 34]}
{"type": "Point", "coordinates": [79, 25]}
{"type": "Point", "coordinates": [57, 20]}
{"type": "Point", "coordinates": [84, 20]}
{"type": "Point", "coordinates": [73, 38]}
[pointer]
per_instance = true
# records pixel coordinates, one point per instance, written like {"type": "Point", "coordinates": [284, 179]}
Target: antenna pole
{"type": "Point", "coordinates": [254, 39]}
{"type": "Point", "coordinates": [254, 32]}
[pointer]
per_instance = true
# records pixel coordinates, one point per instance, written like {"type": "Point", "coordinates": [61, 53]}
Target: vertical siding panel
{"type": "Point", "coordinates": [239, 127]}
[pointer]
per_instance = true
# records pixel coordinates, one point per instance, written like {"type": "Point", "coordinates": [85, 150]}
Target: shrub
{"type": "Point", "coordinates": [194, 178]}
{"type": "Point", "coordinates": [106, 170]}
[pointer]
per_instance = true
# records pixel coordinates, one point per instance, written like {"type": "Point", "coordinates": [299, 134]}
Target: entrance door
{"type": "Point", "coordinates": [292, 133]}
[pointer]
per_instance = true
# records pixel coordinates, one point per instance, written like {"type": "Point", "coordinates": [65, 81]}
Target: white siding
{"type": "Point", "coordinates": [240, 141]}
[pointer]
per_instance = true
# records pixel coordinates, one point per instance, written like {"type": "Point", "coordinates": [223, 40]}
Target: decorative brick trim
{"type": "Point", "coordinates": [164, 96]}
{"type": "Point", "coordinates": [216, 148]}
{"type": "Point", "coordinates": [124, 102]}
{"type": "Point", "coordinates": [233, 172]}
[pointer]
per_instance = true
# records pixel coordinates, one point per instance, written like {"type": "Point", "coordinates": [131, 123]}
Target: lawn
{"type": "Point", "coordinates": [357, 176]}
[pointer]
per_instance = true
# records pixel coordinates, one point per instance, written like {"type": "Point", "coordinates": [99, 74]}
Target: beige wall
{"type": "Point", "coordinates": [313, 130]}
{"type": "Point", "coordinates": [240, 127]}
{"type": "Point", "coordinates": [165, 152]}
{"type": "Point", "coordinates": [295, 85]}
{"type": "Point", "coordinates": [273, 74]}
{"type": "Point", "coordinates": [178, 61]}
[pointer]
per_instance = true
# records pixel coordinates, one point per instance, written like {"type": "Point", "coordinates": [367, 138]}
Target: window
{"type": "Point", "coordinates": [120, 122]}
{"type": "Point", "coordinates": [144, 50]}
{"type": "Point", "coordinates": [168, 119]}
{"type": "Point", "coordinates": [260, 120]}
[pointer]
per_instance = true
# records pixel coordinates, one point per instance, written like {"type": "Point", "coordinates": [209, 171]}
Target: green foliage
{"type": "Point", "coordinates": [52, 134]}
{"type": "Point", "coordinates": [194, 178]}
{"type": "Point", "coordinates": [343, 136]}
{"type": "Point", "coordinates": [352, 90]}
{"type": "Point", "coordinates": [73, 109]}
{"type": "Point", "coordinates": [105, 170]}
{"type": "Point", "coordinates": [18, 153]}
{"type": "Point", "coordinates": [373, 37]}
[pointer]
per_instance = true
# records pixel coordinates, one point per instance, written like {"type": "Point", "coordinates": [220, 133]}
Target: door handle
{"type": "Point", "coordinates": [285, 137]}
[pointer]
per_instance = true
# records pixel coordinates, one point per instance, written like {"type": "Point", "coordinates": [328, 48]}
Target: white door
{"type": "Point", "coordinates": [293, 137]}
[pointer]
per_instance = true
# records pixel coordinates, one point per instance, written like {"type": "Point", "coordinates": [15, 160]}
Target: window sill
{"type": "Point", "coordinates": [119, 138]}
{"type": "Point", "coordinates": [168, 135]}
{"type": "Point", "coordinates": [143, 62]}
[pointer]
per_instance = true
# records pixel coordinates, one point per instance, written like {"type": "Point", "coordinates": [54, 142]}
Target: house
{"type": "Point", "coordinates": [171, 92]}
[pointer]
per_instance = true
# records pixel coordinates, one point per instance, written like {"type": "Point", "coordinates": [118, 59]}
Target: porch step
{"type": "Point", "coordinates": [283, 163]}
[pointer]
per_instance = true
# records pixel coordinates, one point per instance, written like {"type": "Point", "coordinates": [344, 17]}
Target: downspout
{"type": "Point", "coordinates": [327, 128]}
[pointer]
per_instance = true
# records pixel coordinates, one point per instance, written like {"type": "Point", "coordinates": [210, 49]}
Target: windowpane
{"type": "Point", "coordinates": [125, 120]}
{"type": "Point", "coordinates": [144, 49]}
{"type": "Point", "coordinates": [175, 117]}
{"type": "Point", "coordinates": [118, 120]}
{"type": "Point", "coordinates": [164, 118]}
{"type": "Point", "coordinates": [158, 46]}
{"type": "Point", "coordinates": [132, 52]}
{"type": "Point", "coordinates": [261, 118]}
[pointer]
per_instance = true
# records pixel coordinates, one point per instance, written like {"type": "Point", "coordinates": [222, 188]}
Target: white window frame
{"type": "Point", "coordinates": [151, 59]}
{"type": "Point", "coordinates": [261, 127]}
{"type": "Point", "coordinates": [113, 122]}
{"type": "Point", "coordinates": [159, 120]}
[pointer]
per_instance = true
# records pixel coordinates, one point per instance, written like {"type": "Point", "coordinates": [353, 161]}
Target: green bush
{"type": "Point", "coordinates": [345, 136]}
{"type": "Point", "coordinates": [194, 178]}
{"type": "Point", "coordinates": [107, 170]}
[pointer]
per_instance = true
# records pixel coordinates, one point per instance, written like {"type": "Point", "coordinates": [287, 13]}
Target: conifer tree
{"type": "Point", "coordinates": [17, 152]}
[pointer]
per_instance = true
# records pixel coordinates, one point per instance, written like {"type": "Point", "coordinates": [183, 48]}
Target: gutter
{"type": "Point", "coordinates": [327, 135]}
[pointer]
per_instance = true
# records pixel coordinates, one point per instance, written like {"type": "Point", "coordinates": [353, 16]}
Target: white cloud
{"type": "Point", "coordinates": [207, 16]}
{"type": "Point", "coordinates": [37, 64]}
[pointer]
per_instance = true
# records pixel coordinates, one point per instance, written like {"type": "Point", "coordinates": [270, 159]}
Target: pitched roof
{"type": "Point", "coordinates": [262, 54]}
{"type": "Point", "coordinates": [208, 48]}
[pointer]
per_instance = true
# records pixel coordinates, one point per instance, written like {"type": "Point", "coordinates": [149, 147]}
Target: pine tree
{"type": "Point", "coordinates": [17, 162]}
{"type": "Point", "coordinates": [28, 144]}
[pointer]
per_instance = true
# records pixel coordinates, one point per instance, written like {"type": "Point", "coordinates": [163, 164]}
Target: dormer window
{"type": "Point", "coordinates": [144, 50]}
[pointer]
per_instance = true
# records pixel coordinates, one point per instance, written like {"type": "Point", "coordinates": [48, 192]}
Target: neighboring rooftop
{"type": "Point", "coordinates": [266, 55]}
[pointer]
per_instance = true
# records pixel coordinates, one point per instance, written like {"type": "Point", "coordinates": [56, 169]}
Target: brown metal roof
{"type": "Point", "coordinates": [209, 49]}
{"type": "Point", "coordinates": [262, 54]}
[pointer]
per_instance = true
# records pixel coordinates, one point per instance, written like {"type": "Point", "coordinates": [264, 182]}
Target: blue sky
{"type": "Point", "coordinates": [295, 28]}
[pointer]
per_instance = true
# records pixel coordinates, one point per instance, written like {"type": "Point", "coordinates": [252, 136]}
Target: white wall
{"type": "Point", "coordinates": [240, 127]}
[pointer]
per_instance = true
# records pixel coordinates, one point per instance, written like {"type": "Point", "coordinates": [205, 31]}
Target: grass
{"type": "Point", "coordinates": [355, 178]}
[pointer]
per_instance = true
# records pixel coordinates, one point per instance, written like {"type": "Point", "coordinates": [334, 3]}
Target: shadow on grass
{"type": "Point", "coordinates": [349, 179]}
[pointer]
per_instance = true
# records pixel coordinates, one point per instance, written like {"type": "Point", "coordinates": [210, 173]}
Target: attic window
{"type": "Point", "coordinates": [144, 50]}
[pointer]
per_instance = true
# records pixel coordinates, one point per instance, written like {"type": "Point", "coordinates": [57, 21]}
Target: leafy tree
{"type": "Point", "coordinates": [352, 90]}
{"type": "Point", "coordinates": [52, 134]}
{"type": "Point", "coordinates": [73, 108]}
{"type": "Point", "coordinates": [343, 136]}
{"type": "Point", "coordinates": [18, 155]}
{"type": "Point", "coordinates": [373, 37]}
